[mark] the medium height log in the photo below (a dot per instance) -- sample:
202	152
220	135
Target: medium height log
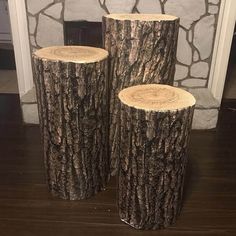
71	86
155	127
142	50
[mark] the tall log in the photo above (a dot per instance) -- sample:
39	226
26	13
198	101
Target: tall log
155	127
142	49
71	86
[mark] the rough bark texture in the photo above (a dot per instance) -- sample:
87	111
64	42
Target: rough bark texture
153	157
141	52
72	102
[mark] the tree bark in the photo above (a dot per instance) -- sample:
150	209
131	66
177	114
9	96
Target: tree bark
142	50
153	157
71	86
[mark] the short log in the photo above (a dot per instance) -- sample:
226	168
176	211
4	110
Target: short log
155	127
71	87
142	49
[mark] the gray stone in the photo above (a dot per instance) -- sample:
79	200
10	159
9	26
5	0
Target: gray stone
32	24
49	33
205	119
34	49
181	72
195	55
204	98
192	82
29	97
199	69
121	6
149	6
184	51
32	41
35	7
176	84
30	113
189	11
89	10
214	1
213	9
54	11
190	35
203	36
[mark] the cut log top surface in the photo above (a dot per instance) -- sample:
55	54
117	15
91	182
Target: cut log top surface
156	97
77	54
142	17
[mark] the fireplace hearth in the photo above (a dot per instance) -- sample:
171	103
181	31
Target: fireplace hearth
83	33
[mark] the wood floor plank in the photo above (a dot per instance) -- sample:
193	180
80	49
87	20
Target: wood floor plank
27	208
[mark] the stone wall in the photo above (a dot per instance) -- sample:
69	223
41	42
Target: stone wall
198	20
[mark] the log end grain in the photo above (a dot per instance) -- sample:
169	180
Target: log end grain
142	17
156	97
76	54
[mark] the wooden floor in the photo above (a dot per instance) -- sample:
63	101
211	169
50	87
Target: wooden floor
8	82
26	208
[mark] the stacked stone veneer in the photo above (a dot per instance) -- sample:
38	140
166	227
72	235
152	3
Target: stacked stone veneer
198	22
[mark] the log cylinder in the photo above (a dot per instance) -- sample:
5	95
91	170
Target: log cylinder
155	127
142	50
71	87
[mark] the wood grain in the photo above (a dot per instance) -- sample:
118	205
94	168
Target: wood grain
28	209
72	102
142	50
153	154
